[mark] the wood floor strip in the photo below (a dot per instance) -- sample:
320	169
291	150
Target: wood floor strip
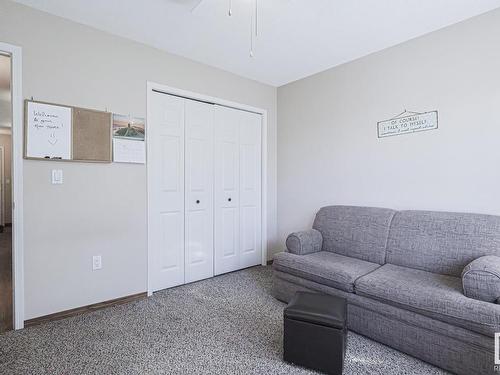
84	309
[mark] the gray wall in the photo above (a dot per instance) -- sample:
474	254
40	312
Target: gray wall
6	142
100	208
328	151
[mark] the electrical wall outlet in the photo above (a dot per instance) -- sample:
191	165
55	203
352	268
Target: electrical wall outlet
96	262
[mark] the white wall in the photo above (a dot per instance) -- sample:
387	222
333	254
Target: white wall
328	150
100	208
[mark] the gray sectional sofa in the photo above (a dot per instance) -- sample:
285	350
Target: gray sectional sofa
425	283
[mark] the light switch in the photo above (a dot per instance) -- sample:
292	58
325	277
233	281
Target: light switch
57	176
96	262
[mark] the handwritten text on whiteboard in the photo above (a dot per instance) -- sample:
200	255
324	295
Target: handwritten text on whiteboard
48	131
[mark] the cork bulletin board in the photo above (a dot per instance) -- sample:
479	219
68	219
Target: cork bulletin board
65	133
91	135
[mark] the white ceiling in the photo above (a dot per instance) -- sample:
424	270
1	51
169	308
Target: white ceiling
296	38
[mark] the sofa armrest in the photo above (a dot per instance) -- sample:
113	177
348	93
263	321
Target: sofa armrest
304	242
481	279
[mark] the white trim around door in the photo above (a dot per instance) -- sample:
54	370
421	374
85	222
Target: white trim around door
151	87
17	182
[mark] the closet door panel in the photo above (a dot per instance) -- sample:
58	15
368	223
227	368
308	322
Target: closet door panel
226	190
199	248
250	189
166	216
172	241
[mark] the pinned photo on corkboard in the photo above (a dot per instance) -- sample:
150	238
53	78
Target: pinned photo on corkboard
127	127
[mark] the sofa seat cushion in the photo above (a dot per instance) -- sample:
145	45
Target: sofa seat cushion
430	294
324	267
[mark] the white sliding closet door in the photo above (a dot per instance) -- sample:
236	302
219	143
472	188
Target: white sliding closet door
166	206
199	173
227	181
250	189
205	190
238	168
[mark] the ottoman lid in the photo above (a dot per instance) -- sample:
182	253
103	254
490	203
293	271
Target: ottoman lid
317	308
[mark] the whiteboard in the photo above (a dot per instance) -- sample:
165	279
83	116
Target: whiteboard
48	131
129	151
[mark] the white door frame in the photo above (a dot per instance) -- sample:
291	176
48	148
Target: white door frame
210	99
15	53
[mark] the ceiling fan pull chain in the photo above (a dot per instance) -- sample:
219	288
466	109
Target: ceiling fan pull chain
230	11
256	18
251	35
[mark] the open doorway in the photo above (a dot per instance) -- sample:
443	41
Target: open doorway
6	279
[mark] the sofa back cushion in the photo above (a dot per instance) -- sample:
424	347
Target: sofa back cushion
441	242
358	232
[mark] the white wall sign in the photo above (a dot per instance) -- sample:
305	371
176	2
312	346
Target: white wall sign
48	131
408	122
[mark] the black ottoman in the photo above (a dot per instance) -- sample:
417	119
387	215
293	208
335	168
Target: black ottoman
315	332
